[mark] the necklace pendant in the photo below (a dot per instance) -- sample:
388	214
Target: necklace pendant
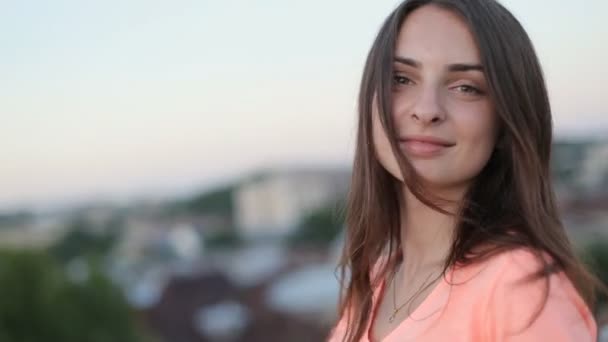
392	317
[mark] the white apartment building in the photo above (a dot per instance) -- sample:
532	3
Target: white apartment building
272	204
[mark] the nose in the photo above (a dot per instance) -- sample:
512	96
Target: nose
426	107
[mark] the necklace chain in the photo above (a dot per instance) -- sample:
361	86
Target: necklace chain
397	309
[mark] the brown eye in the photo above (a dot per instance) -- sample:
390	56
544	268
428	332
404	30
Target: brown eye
401	80
469	89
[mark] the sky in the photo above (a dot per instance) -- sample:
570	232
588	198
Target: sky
123	100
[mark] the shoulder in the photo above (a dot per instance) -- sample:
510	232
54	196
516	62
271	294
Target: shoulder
376	273
521	307
500	270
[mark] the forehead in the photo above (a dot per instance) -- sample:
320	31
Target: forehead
436	35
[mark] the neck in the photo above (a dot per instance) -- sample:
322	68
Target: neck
426	234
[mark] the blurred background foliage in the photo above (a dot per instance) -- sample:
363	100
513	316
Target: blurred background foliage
39	302
595	255
320	227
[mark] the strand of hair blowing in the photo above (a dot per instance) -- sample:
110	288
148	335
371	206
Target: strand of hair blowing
510	204
374	195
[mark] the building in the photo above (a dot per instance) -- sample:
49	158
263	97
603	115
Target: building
273	203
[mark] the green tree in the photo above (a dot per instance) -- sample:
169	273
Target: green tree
40	303
319	227
217	201
83	239
595	254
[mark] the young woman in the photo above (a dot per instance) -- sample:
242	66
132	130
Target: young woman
453	231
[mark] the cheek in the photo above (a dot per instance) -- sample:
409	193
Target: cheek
479	131
382	148
477	123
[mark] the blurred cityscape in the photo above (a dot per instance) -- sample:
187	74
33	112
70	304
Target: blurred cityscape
253	260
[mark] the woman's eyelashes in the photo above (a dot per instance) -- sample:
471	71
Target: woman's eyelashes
468	89
401	80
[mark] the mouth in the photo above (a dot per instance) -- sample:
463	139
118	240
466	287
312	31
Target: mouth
424	147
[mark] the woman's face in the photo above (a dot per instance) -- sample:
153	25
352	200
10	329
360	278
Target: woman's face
443	115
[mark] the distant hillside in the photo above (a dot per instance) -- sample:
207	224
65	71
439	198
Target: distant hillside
12	220
216	201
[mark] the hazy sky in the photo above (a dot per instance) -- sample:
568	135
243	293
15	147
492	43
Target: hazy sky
114	99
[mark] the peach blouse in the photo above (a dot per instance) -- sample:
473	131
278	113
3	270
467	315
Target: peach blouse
485	302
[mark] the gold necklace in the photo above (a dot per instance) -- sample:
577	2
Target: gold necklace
397	309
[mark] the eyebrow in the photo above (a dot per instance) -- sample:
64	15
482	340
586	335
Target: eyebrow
457	67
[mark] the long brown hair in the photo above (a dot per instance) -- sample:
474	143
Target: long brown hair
511	202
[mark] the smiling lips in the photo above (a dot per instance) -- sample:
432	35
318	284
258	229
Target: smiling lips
424	146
